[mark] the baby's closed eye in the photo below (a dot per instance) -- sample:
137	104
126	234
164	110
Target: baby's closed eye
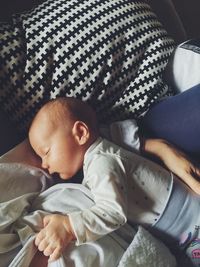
47	152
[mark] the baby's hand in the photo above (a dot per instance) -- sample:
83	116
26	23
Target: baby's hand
55	236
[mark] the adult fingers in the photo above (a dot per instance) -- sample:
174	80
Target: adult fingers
197	171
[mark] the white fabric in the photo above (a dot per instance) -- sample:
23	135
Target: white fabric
25	203
116	178
125	134
182	71
156	253
17	179
19	186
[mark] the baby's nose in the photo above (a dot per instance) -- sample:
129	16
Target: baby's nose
45	165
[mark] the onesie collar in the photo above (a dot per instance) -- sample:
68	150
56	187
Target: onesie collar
94	145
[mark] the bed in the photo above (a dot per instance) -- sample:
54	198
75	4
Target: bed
50	51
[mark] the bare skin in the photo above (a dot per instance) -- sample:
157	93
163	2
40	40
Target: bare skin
176	161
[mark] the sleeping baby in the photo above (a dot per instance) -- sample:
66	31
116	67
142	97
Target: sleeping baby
125	186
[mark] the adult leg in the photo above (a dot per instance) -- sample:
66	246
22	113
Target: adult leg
176	119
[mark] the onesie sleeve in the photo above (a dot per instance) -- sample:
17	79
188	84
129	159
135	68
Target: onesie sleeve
105	177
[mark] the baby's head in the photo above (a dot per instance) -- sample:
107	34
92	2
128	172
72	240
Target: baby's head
61	132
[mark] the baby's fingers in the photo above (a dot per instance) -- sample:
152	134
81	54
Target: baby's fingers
56	254
42	245
46	220
39	237
49	250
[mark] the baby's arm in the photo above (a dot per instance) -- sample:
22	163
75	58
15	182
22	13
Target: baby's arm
55	236
107	182
108	213
175	160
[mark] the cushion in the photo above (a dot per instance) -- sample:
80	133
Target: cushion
182	71
109	53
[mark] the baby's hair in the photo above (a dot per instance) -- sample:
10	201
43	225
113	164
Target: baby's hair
69	107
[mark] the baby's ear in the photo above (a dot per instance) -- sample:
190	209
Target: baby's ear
81	132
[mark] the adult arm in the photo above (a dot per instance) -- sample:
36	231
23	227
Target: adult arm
175	160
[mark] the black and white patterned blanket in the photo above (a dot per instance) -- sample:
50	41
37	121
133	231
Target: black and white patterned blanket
109	53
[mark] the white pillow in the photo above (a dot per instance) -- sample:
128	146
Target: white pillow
183	69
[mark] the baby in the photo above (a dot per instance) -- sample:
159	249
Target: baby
124	185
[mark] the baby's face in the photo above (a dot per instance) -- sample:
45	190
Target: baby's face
57	148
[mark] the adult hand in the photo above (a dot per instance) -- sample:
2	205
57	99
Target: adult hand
55	236
176	161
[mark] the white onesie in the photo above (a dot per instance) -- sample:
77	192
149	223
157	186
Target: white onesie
125	186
